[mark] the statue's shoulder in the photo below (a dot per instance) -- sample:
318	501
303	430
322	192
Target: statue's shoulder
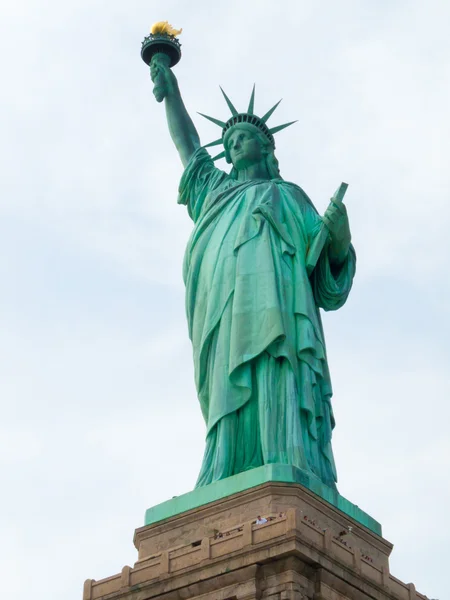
296	192
202	170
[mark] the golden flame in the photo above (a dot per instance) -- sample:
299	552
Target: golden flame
164	27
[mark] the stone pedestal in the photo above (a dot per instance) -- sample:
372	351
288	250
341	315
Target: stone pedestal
275	541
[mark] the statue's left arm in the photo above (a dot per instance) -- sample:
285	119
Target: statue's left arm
336	220
332	277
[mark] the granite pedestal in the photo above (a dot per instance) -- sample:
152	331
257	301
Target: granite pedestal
275	541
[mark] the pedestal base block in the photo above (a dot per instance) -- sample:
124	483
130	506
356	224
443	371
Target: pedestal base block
253	478
274	541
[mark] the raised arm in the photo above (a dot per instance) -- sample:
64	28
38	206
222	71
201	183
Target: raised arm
181	128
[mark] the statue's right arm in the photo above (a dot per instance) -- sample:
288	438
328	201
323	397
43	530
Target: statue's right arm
181	128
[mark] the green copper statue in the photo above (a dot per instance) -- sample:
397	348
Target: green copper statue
252	305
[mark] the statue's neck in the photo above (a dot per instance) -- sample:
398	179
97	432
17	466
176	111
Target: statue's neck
256	171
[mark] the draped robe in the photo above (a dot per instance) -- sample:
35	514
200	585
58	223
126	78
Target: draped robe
260	362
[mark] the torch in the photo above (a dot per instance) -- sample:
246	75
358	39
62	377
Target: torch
161	46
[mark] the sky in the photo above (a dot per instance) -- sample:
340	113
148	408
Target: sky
99	414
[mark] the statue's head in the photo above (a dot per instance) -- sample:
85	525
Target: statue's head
245	145
251	134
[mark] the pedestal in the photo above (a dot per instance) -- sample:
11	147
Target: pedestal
274	541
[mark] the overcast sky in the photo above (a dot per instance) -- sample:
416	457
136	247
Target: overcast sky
99	415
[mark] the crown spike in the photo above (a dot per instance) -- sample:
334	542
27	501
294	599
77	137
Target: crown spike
221	155
280	127
269	113
214	143
228	101
213	120
251	105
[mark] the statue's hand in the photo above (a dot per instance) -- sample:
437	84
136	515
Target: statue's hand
336	219
163	78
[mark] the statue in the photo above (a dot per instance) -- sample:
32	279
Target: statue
252	292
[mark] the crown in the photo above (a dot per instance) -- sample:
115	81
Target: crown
248	117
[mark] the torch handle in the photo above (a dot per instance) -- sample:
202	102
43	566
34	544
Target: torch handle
160	87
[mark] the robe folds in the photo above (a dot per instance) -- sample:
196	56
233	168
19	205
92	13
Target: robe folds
260	361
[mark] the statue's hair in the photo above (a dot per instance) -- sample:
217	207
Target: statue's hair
266	145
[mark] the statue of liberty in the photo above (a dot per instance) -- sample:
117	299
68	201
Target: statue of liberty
252	304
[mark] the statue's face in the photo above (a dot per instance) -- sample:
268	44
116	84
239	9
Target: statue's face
244	148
